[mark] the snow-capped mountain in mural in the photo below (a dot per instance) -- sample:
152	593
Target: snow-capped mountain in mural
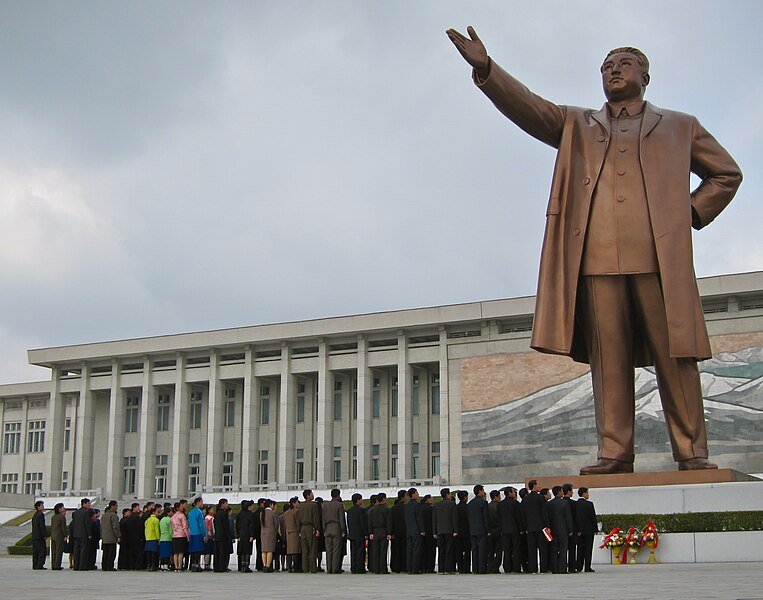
556	424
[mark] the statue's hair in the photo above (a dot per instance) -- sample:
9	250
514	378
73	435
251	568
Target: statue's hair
640	56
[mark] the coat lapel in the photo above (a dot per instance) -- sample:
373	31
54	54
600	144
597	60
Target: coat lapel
601	116
652	116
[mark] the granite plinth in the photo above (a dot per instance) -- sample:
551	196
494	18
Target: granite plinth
657	478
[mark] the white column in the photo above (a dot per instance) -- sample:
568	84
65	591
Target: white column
365	416
147	435
180	429
444	409
286	420
214	422
54	434
404	409
249	430
323	439
115	443
83	459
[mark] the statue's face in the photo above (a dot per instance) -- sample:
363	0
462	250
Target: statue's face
623	77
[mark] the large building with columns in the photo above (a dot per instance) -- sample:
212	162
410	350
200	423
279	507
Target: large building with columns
449	394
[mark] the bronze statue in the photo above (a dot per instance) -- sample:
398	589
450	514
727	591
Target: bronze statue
617	287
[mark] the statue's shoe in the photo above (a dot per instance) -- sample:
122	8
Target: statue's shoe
606	466
695	464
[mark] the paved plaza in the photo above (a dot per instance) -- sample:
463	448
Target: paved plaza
695	581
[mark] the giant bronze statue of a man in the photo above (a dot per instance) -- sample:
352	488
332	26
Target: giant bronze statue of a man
617	287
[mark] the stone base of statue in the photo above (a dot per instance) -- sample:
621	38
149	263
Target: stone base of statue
657	478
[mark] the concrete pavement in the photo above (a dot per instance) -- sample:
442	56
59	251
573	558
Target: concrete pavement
624	582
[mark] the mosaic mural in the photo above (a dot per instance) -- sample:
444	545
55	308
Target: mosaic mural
551	431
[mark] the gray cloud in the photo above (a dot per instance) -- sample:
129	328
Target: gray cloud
182	166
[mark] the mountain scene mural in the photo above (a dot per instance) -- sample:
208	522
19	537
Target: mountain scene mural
552	431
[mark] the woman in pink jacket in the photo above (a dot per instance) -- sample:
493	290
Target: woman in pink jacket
180	536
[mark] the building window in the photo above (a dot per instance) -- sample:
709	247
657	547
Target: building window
393	461
265	411
375	469
394	402
299	475
67	434
9	483
415	396
435	459
301	408
195	410
160	476
262	474
230	407
376	400
354	398
415	470
337	463
375	450
338	405
12	438
65	480
36	437
33	483
194	473
132	414
435	393
163	412
227	469
128	472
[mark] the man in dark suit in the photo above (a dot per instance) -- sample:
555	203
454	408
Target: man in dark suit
414	528
223	538
445	527
82	534
512	524
479	530
39	533
357	533
463	543
560	519
572	560
379	528
398	554
536	519
429	544
137	539
495	542
587	526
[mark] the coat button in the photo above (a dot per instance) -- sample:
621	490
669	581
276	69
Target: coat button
621	172
623	149
576	232
601	139
586	180
621	198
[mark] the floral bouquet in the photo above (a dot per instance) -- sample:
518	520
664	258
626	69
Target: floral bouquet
633	542
614	540
651	539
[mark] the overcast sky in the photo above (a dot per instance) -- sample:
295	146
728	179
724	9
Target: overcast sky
183	166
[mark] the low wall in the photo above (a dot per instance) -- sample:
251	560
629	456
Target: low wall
724	546
20	501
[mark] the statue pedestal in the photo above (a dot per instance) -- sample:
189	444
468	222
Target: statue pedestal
657	478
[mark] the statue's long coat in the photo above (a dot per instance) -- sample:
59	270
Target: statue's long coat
672	145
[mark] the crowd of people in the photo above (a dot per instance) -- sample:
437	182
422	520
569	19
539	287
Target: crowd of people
532	530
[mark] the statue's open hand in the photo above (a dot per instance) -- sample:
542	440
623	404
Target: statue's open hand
473	50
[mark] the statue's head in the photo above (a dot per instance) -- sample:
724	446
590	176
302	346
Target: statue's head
625	74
